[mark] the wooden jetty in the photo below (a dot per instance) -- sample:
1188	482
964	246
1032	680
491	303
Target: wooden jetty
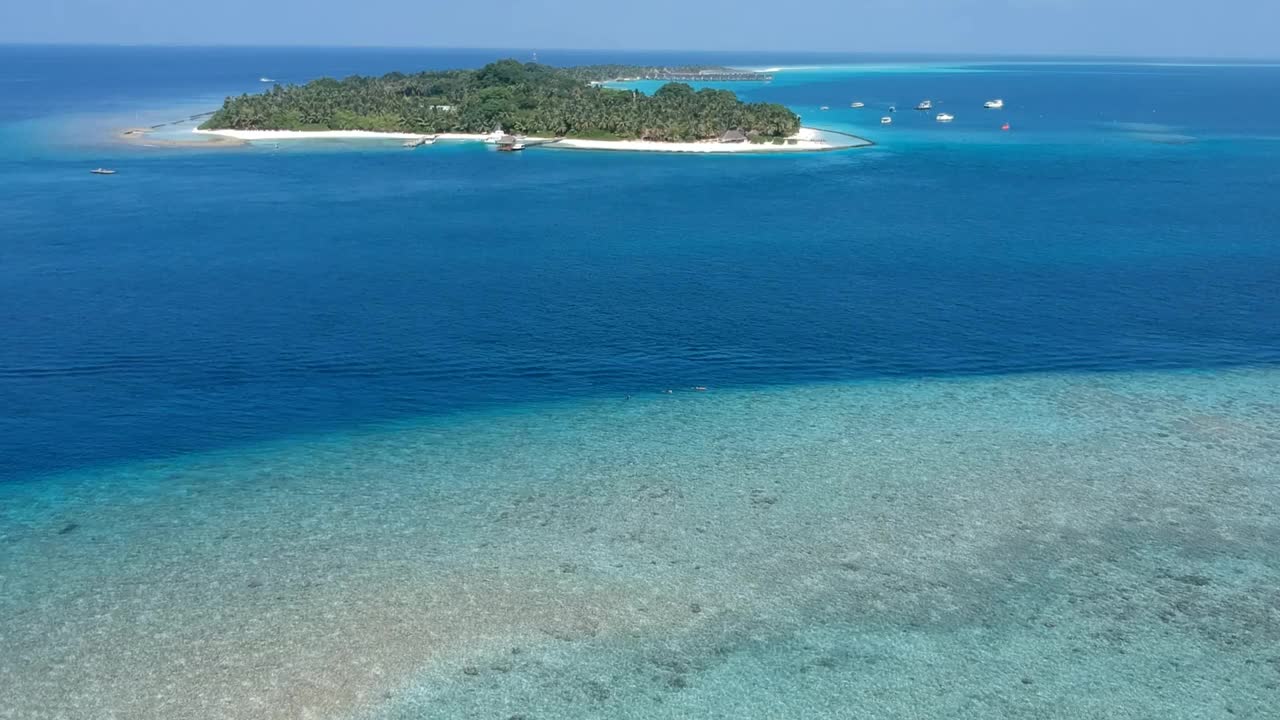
511	143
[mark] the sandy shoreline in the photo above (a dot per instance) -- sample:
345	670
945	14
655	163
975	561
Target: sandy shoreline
806	140
275	135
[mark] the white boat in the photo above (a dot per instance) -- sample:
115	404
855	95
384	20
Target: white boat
886	120
944	117
857	105
102	171
925	105
993	104
265	79
824	107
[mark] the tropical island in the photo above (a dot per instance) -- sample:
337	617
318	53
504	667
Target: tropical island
571	105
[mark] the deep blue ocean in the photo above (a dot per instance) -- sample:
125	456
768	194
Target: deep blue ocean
224	331
202	300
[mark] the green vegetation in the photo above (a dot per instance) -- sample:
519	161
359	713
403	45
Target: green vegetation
522	98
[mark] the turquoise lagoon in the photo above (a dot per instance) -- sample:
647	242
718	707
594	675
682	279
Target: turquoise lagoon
337	430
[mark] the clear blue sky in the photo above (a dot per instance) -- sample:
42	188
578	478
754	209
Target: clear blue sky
1183	28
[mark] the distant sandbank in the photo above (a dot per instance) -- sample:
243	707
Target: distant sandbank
144	136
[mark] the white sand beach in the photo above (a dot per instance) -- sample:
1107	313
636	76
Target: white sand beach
806	140
275	135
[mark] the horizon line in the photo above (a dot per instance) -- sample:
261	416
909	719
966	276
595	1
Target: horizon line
849	53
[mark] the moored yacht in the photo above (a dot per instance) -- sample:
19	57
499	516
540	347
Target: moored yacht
944	117
993	104
925	105
102	171
886	120
857	105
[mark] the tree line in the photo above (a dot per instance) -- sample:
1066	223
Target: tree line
524	98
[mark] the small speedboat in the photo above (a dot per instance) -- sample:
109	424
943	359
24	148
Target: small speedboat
886	120
1004	126
102	171
993	104
925	105
824	107
265	79
857	105
944	117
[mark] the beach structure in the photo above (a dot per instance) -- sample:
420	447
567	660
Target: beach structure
509	143
733	136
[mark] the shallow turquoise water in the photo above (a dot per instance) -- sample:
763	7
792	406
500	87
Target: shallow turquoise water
1038	546
337	430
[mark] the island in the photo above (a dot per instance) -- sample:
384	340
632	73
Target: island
568	107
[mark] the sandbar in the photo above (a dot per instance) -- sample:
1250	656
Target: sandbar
143	136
